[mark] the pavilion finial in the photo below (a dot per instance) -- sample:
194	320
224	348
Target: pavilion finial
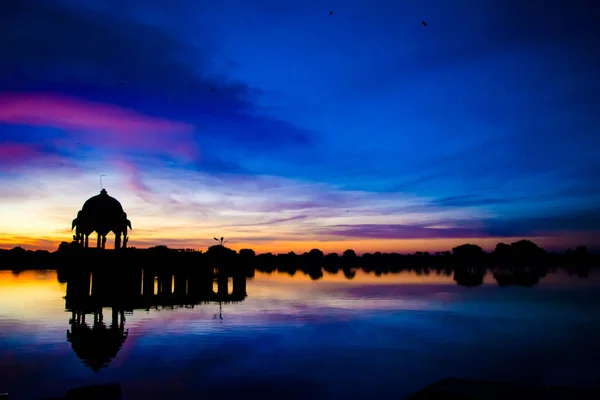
101	186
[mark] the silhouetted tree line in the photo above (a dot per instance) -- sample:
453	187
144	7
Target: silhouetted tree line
519	263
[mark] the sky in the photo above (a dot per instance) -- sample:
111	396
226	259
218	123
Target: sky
362	129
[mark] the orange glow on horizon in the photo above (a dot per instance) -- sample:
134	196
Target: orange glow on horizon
360	246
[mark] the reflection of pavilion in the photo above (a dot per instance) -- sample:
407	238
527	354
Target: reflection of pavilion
97	343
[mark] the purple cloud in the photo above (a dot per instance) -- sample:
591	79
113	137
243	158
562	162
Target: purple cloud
97	124
399	231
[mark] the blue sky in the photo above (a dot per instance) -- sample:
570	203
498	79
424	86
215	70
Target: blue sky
359	129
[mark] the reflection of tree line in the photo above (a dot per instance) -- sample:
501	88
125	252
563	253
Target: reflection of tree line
522	263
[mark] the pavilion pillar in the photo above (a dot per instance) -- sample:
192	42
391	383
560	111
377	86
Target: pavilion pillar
180	285
98	241
118	241
122	323
87	237
223	285
239	285
103	242
115	318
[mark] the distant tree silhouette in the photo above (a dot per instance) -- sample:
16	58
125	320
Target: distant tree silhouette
64	246
68	246
349	258
349	254
503	250
581	250
248	253
467	250
219	250
19	251
314	258
160	248
526	249
315	253
332	263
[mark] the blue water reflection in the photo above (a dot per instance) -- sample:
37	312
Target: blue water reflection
382	337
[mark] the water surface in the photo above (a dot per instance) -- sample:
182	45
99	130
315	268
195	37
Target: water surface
367	337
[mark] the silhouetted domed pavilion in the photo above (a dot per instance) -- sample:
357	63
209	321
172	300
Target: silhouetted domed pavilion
101	214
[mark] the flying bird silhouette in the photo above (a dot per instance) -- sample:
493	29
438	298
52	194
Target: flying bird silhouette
212	90
424	23
330	12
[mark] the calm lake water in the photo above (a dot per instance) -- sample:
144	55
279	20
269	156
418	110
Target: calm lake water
369	337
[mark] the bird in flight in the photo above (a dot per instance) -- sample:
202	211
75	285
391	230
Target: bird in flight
330	12
424	23
121	83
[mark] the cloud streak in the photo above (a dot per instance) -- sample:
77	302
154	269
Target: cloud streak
480	228
273	221
98	124
400	231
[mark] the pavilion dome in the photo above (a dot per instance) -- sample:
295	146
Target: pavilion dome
101	214
103	207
